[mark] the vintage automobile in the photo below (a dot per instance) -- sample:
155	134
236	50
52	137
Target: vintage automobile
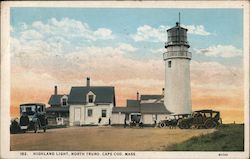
172	120
206	118
135	120
33	117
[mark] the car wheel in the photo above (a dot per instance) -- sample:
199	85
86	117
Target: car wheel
184	125
209	124
141	125
162	125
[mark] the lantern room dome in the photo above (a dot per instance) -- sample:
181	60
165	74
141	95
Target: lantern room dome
177	35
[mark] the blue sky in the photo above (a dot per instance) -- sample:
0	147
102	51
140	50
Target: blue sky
225	25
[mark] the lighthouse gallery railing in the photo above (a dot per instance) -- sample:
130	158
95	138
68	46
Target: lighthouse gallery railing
177	54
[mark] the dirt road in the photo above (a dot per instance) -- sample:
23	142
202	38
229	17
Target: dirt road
102	138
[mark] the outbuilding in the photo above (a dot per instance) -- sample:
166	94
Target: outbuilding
151	108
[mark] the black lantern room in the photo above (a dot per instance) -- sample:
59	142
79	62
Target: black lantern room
177	36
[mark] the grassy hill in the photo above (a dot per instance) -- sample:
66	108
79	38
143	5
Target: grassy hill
228	137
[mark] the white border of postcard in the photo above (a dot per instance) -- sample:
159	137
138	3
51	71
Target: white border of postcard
5	75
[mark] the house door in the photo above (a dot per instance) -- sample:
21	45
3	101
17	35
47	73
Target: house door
77	114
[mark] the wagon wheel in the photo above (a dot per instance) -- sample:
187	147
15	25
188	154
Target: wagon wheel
209	124
162	125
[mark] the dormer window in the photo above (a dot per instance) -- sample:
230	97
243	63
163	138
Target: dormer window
91	98
64	101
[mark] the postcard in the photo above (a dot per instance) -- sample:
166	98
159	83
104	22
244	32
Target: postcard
125	79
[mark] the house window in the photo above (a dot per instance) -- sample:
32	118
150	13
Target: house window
91	98
169	64
90	112
104	113
64	101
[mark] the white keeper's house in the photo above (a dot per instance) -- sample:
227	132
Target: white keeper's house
91	105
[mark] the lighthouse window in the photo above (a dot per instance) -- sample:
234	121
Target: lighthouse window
169	64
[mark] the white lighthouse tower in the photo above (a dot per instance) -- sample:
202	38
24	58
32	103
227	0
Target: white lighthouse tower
177	98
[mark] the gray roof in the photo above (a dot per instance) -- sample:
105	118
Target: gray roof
133	106
133	103
126	109
144	108
147	97
103	94
55	99
57	109
150	108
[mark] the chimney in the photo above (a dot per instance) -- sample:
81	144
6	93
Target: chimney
137	96
88	82
55	91
163	91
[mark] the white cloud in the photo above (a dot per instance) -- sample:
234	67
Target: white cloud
23	26
50	56
31	35
149	33
225	51
103	33
196	29
209	77
55	37
158	51
127	47
67	28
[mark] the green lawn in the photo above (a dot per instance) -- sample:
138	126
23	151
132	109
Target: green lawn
228	137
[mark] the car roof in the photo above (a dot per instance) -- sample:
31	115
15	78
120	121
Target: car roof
206	111
135	113
179	114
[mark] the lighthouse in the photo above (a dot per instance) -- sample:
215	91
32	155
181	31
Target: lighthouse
177	96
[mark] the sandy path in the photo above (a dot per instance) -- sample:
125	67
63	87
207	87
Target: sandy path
102	138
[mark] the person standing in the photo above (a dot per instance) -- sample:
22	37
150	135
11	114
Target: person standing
99	121
109	122
125	122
